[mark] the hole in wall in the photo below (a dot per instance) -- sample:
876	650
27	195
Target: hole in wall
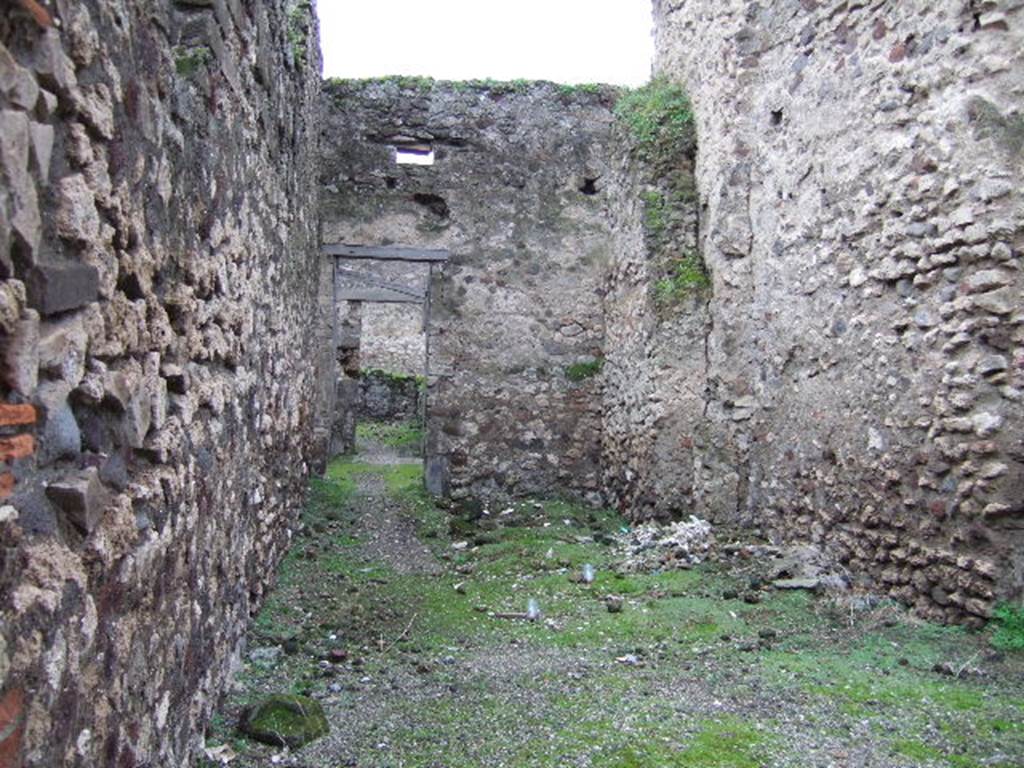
776	117
436	204
589	185
130	285
414	154
391	182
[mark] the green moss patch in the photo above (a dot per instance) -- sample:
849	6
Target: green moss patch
584	370
285	720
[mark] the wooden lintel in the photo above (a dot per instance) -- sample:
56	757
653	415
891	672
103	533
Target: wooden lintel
382	295
385	252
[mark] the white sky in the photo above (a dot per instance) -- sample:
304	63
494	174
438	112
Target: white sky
568	41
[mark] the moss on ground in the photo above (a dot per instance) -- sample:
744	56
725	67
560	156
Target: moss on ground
681	677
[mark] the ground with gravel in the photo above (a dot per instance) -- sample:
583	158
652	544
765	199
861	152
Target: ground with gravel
405	622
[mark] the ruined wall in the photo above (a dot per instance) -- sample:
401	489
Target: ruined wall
860	174
390	397
656	327
515	196
393	338
158	299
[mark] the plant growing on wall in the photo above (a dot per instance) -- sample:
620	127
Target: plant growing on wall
586	370
299	16
659	118
188	60
686	277
659	125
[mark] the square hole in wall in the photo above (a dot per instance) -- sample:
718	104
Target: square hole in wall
414	154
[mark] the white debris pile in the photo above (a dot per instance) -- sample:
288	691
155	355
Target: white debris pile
651	546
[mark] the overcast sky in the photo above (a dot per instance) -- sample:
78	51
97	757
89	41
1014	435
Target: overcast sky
568	41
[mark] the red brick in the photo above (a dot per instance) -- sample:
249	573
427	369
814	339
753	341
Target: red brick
12	724
14	415
6	485
17	447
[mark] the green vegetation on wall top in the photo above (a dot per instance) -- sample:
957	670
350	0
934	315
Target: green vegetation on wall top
519	85
299	17
659	117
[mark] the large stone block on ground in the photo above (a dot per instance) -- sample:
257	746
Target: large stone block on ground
285	720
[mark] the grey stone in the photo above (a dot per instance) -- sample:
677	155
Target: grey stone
17	83
80	499
1000	302
924	318
986	280
62	348
21	355
54	67
61	437
77	218
54	288
992	364
42	149
114	472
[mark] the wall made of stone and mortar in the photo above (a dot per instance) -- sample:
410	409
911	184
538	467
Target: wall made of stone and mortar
159	327
655	361
393	338
520	299
860	173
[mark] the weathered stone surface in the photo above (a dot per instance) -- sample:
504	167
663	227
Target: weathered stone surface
154	253
54	288
77	219
21	355
877	293
61	438
527	253
80	499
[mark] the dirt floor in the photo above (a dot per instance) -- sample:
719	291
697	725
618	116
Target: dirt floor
402	620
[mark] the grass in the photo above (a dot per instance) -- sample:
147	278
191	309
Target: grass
394	434
551	693
1009	622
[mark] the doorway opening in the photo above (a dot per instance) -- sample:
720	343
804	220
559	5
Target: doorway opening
382	300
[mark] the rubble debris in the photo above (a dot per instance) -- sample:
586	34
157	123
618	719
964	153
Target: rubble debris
651	546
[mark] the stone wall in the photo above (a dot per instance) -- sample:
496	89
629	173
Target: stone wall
389	397
160	357
656	329
394	339
516	196
860	168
